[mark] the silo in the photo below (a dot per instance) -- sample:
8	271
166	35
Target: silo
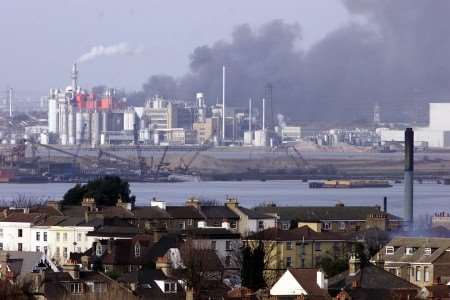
129	119
87	124
105	121
52	114
63	122
71	126
78	127
95	128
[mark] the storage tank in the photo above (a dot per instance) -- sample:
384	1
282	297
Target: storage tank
105	121
63	121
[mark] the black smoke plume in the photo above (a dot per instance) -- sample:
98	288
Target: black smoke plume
398	56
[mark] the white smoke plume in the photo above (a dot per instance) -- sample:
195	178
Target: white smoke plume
118	49
281	121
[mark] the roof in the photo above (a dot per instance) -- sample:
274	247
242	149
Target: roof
322	213
253	214
161	247
150	212
439	291
24	217
307	278
211	233
114	211
24	262
218	212
296	234
183	212
438	247
146	286
370	277
122	252
73	210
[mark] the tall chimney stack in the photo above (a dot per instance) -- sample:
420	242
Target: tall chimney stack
223	103
409	176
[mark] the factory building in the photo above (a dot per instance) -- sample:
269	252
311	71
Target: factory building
436	135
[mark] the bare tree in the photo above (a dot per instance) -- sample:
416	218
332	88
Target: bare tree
24	201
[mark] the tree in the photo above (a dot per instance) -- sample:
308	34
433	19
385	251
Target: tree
253	266
106	191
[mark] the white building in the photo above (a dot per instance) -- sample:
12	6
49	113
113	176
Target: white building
301	282
436	135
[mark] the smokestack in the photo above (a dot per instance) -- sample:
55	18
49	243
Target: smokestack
250	114
385	204
409	175
10	102
263	114
74	78
223	103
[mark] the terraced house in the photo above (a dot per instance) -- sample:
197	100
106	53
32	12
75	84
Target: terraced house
298	248
421	261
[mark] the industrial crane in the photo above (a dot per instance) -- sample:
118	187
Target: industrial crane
161	162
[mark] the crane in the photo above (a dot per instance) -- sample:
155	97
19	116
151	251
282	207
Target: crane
161	162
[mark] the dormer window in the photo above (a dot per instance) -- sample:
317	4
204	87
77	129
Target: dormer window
137	250
427	251
409	250
170	287
389	250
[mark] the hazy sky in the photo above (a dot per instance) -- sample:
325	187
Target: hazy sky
41	39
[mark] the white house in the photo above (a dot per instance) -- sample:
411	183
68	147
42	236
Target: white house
250	221
16	233
297	282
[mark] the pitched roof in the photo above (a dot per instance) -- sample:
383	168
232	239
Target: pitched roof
161	247
218	212
27	261
307	278
296	234
183	212
150	212
370	277
24	217
253	214
438	247
321	213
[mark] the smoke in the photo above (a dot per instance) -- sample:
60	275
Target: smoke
118	49
398	56
281	121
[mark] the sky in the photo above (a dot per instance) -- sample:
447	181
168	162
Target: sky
41	39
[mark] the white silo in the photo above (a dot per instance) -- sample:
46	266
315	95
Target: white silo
71	126
95	128
63	121
53	112
78	127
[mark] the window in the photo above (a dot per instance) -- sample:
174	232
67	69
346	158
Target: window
213	245
45	250
302	262
389	250
1	232
418	274
38	236
98	250
342	225
65	236
170	287
38	249
233	225
45	236
227	261
288	262
289	245
19	247
409	251
57	253
228	245
326	225
285	226
317	246
79	249
260	225
137	250
190	222
58	236
1	246
427	251
19	233
75	288
79	237
426	274
65	252
412	272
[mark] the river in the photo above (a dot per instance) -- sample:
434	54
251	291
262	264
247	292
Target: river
429	197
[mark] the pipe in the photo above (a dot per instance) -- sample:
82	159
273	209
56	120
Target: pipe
409	176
